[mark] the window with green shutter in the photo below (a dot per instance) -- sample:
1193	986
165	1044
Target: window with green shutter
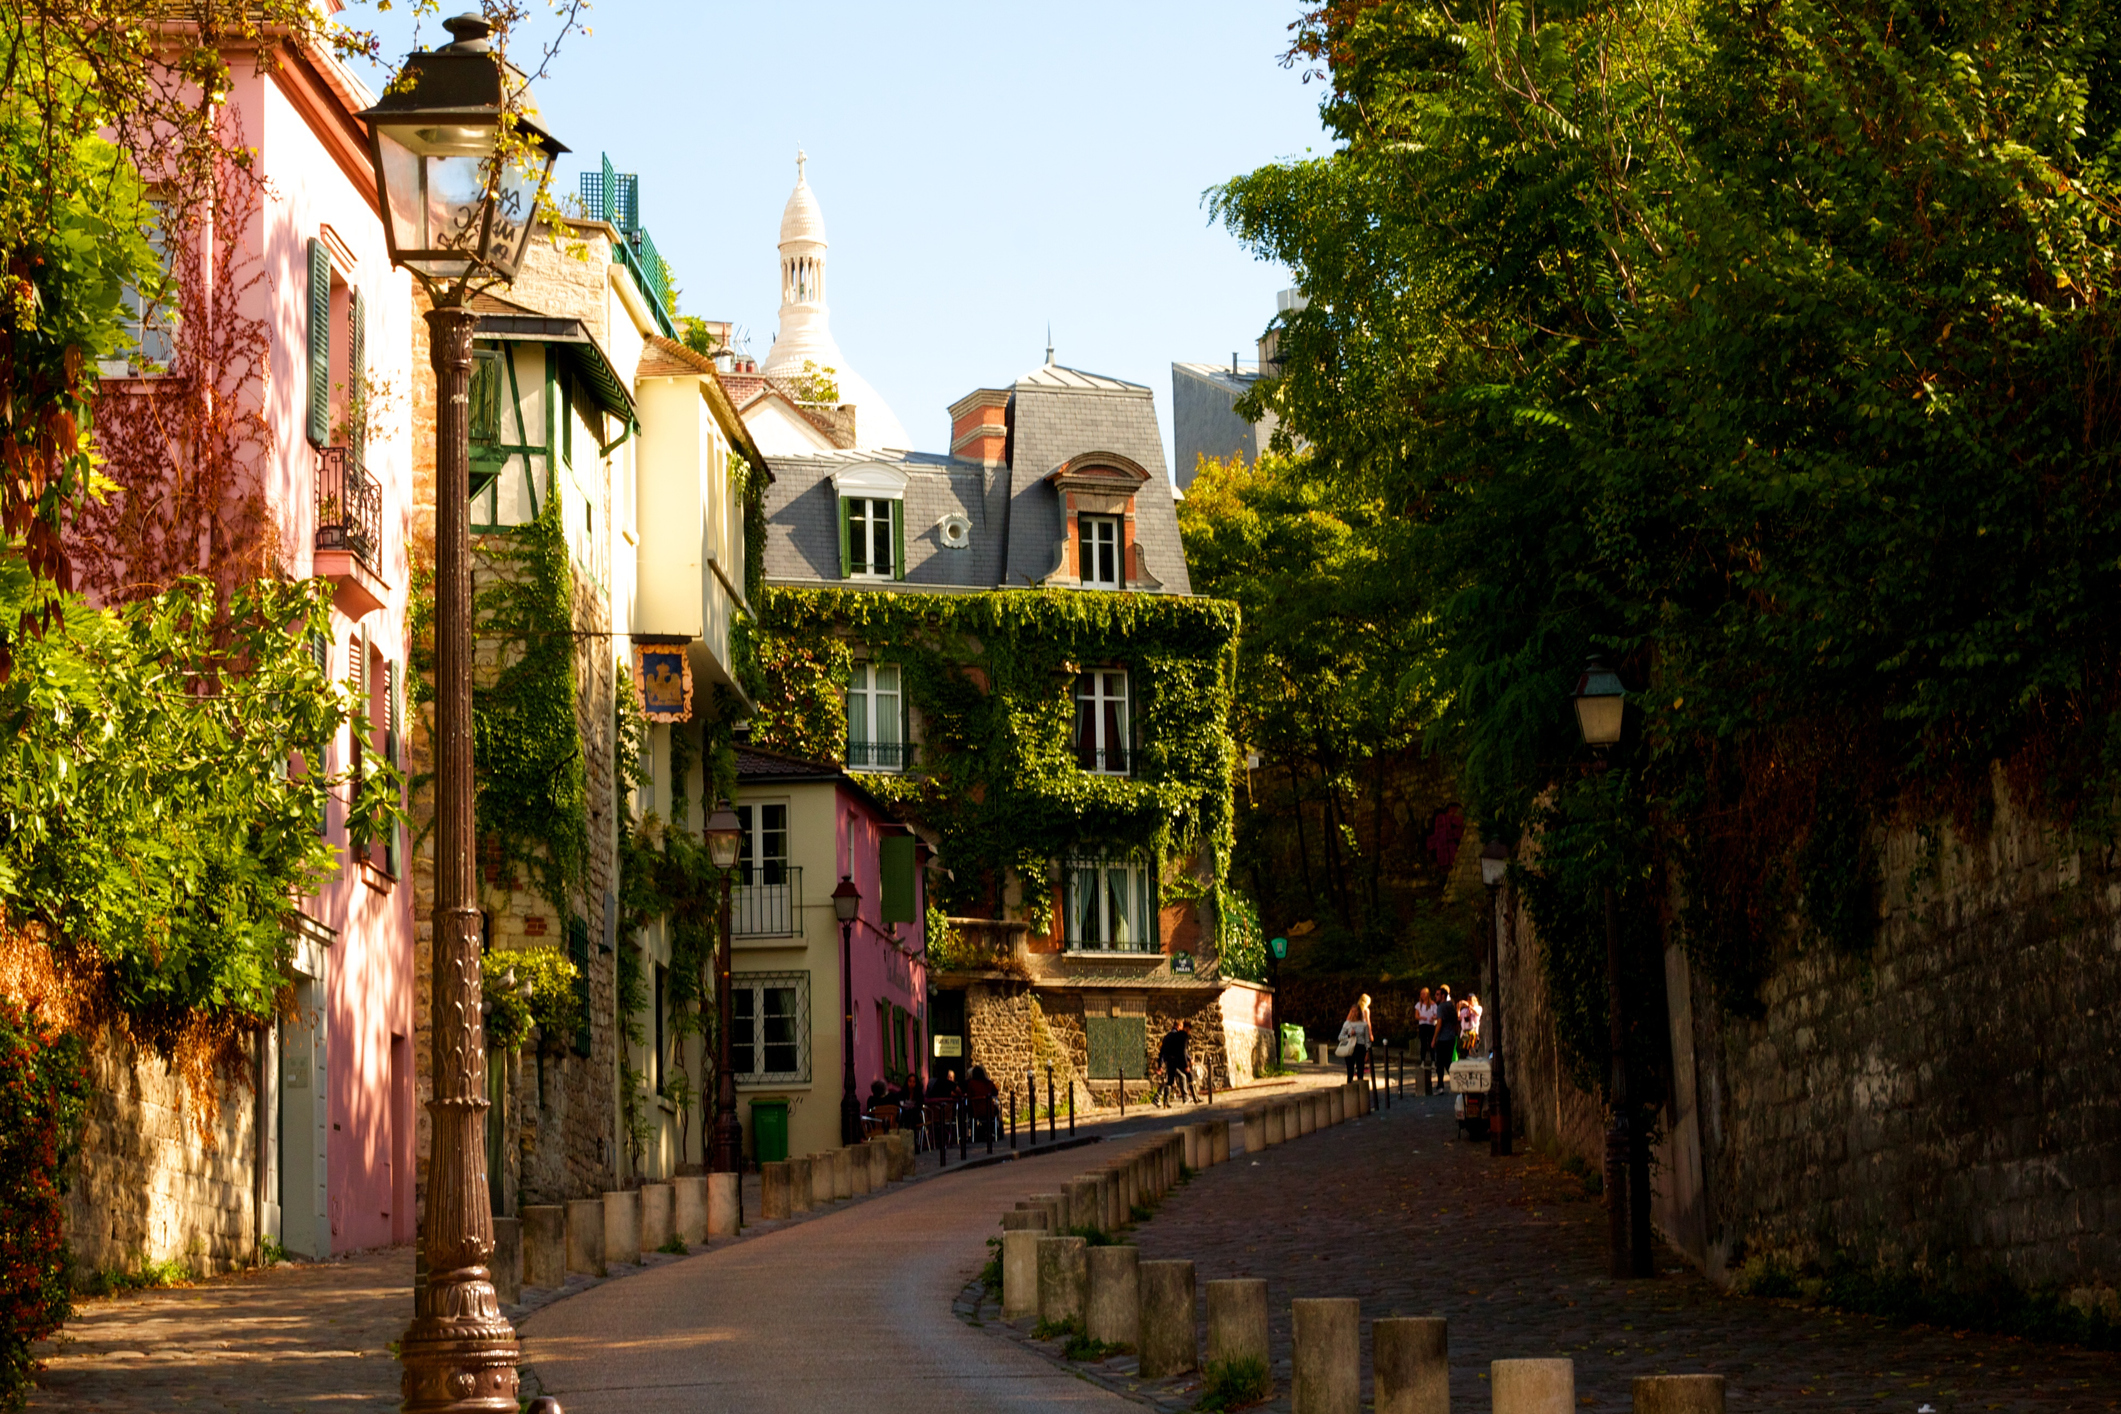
319	344
872	538
356	379
896	866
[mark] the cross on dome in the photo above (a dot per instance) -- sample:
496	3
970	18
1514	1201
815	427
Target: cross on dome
800	158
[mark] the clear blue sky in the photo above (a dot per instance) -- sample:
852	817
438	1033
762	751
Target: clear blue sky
982	169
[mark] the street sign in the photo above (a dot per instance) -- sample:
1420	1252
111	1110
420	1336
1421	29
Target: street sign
948	1047
1280	946
1182	962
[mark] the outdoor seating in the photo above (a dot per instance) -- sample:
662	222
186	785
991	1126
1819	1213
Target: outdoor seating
881	1119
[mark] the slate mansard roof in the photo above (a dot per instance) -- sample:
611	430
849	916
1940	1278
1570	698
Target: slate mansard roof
1055	414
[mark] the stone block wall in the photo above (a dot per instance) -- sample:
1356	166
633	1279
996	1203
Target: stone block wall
151	1183
1013	1027
1941	1106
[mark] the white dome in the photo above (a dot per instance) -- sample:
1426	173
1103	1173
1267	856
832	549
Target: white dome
805	335
800	218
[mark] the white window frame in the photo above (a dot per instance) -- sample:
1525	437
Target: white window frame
756	985
1094	921
1111	531
876	527
153	326
1093	689
864	695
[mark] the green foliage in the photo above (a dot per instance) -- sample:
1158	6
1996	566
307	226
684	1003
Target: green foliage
554	1004
43	1093
992	675
1232	1384
816	385
695	335
1070	1328
990	1273
675	1246
154	832
1758	348
1845	1282
1083	1346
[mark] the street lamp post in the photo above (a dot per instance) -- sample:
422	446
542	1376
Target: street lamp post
724	838
846	903
1601	704
459	166
1494	867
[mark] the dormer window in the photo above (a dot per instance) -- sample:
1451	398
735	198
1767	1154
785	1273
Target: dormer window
869	534
1099	552
872	521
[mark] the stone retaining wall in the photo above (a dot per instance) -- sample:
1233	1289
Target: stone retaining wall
1941	1107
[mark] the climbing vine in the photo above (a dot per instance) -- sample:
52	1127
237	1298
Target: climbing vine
993	678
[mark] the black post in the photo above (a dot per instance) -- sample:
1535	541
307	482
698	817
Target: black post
1071	1109
1122	1092
1012	1119
1619	1258
1051	1133
964	1139
850	1108
1498	1085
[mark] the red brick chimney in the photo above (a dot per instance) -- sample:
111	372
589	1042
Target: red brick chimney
979	426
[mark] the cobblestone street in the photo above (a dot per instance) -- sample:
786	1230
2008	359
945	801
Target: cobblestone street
1395	1210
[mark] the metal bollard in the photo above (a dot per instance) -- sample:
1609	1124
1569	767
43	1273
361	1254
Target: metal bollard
1071	1109
1012	1119
1050	1115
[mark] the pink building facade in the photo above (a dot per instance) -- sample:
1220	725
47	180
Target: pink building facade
296	337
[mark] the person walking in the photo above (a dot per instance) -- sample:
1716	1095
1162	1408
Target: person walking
1178	1071
1469	1024
1354	1046
1446	1033
1425	1028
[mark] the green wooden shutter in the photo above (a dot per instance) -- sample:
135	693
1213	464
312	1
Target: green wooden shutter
319	345
898	538
846	559
896	868
357	377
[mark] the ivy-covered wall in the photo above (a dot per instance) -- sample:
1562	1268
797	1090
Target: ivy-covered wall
991	680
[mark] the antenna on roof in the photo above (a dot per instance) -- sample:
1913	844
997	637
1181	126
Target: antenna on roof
1049	341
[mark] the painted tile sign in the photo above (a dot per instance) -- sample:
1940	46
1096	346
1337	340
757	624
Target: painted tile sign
666	683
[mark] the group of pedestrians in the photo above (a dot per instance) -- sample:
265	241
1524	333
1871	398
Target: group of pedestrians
1448	1030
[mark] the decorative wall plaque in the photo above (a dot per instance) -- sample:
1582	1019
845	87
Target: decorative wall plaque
664	677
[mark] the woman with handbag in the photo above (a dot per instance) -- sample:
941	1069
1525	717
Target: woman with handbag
1354	1047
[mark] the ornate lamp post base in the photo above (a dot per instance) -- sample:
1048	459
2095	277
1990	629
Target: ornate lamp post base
461	1364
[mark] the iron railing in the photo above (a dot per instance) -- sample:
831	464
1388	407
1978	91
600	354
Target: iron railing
614	196
880	755
766	902
349	505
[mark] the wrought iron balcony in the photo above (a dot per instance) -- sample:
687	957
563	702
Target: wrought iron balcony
880	755
766	902
349	505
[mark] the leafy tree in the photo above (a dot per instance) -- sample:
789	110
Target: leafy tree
1762	347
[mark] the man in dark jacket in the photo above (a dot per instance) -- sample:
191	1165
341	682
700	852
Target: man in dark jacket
1446	1032
1172	1055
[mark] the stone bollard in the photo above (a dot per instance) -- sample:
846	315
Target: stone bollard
1533	1386
879	1165
1063	1278
1410	1365
506	1268
1337	1105
1110	1217
1082	1203
689	1208
1114	1312
1020	1271
1325	1356
723	1194
1679	1394
1237	1321
1255	1128
1055	1207
545	1245
842	1174
1191	1138
858	1169
1027	1220
820	1180
799	1181
1307	1114
1219	1141
1275	1130
773	1191
585	1235
1170	1343
901	1154
658	1210
622	1228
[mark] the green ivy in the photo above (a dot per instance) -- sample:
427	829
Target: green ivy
553	1008
993	676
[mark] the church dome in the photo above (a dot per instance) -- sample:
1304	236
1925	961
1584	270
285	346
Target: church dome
801	220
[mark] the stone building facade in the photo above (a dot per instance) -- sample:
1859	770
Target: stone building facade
1941	1107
